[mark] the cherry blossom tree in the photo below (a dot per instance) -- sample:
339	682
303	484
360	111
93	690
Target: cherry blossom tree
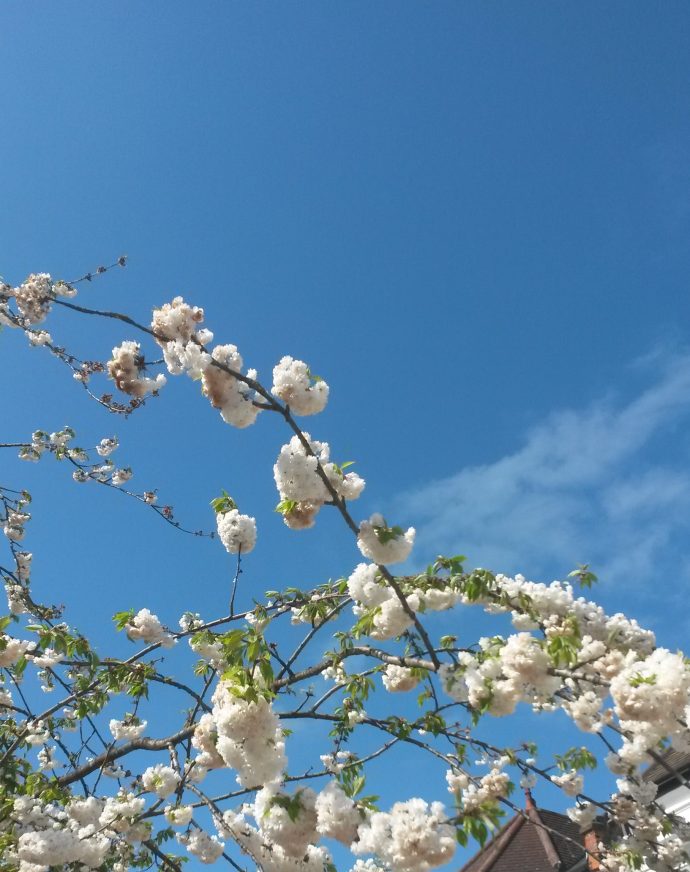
81	789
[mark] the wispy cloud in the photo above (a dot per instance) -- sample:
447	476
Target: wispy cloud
605	484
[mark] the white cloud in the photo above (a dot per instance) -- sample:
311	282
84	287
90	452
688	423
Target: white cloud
606	484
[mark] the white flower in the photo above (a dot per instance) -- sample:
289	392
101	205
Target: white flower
397	679
130	728
287	820
37	734
176	321
120	476
107	445
12	649
34	297
178	815
493	785
202	846
457	781
337	815
230	395
39	337
293	383
46	759
383	544
368	588
237	532
48	659
161	780
570	782
126	367
302	488
412	837
146	627
249	737
583	815
14	533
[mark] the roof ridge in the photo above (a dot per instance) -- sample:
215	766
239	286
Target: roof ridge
545	838
496	846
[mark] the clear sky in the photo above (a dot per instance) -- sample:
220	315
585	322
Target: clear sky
470	218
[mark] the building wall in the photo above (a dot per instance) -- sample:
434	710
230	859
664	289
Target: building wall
676	801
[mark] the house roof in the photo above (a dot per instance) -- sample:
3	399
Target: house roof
662	771
537	840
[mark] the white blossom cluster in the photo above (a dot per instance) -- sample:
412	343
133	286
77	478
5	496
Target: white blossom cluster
175	326
6	701
270	857
372	595
502	674
85	832
651	698
583	814
646	836
33	298
289	825
14	524
301	487
107	445
47	761
338	817
205	848
246	736
129	729
126	367
237	532
161	780
412	837
293	829
58	444
146	627
571	782
233	398
294	384
382	544
17	584
179	815
368	589
476	792
47	658
398	679
367	866
614	657
556	603
209	649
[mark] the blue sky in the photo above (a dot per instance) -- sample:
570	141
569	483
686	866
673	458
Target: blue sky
470	218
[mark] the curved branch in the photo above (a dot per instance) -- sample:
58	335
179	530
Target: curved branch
115	753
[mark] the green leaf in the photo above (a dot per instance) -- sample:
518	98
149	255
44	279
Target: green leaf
576	758
123	618
584	576
388	534
224	503
284	507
